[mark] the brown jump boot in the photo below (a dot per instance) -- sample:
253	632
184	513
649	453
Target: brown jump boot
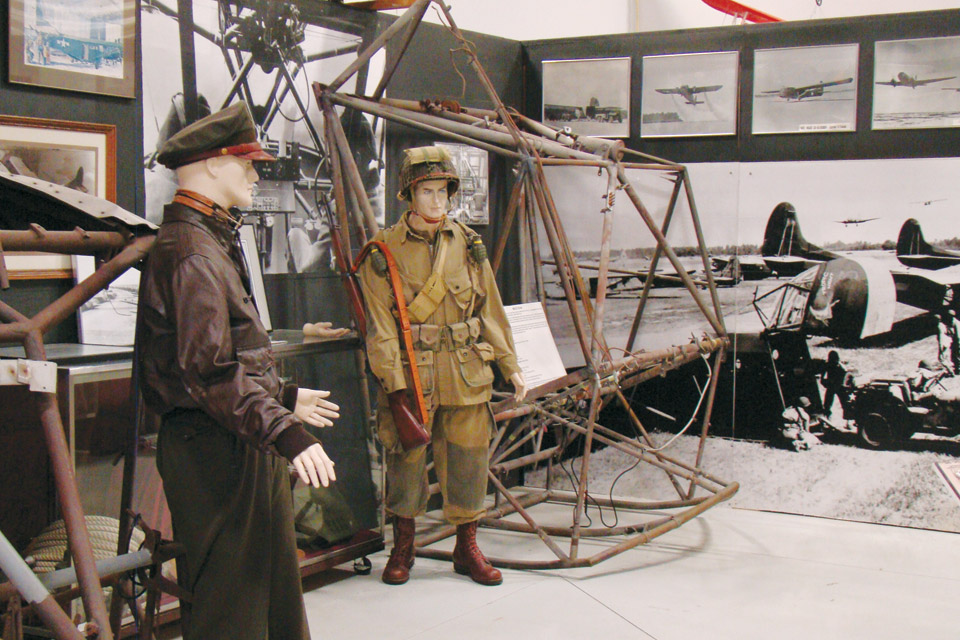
469	561
398	566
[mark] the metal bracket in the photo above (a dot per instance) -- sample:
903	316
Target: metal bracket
40	375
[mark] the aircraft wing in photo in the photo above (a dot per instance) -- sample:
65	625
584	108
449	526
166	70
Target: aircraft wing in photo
809	91
690	93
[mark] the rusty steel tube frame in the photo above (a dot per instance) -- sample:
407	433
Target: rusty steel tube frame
29	331
648	284
499	131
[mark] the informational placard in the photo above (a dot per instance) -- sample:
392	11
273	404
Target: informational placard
537	353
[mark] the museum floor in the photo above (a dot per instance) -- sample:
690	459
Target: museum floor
731	573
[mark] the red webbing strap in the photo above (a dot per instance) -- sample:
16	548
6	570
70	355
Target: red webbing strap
397	287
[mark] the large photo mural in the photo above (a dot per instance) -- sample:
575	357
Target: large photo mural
840	396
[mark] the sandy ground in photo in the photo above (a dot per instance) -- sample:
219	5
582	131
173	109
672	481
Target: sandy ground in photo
833	481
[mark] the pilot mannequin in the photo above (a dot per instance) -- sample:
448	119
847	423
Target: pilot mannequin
228	424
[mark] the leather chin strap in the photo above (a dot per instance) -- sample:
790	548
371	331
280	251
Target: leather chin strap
207	207
426	219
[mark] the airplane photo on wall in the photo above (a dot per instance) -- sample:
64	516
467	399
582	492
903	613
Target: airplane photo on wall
689	94
805	89
917	83
591	97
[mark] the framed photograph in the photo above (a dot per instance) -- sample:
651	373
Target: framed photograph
805	89
80	45
79	155
471	204
689	94
588	97
916	83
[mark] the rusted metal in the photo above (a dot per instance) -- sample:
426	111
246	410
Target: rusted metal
127	249
702	245
515	197
569	407
654	262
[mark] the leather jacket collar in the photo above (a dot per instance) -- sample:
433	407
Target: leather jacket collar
223	232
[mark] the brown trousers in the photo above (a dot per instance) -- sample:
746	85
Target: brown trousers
231	507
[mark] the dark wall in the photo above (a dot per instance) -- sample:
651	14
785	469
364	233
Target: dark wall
124	113
745	147
427	71
43	102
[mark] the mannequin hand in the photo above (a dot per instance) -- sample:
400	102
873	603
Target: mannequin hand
314	467
323	330
519	386
314	410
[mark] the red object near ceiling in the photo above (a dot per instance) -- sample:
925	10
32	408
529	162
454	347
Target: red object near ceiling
740	11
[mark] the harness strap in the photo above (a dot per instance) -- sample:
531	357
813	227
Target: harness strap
407	338
431	294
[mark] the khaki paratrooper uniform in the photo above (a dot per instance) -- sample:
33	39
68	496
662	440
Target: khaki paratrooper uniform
455	346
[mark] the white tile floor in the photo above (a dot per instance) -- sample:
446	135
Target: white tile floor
730	573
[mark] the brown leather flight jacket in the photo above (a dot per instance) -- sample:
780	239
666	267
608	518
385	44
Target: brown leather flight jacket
200	341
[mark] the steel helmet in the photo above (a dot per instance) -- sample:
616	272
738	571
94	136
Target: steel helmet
427	163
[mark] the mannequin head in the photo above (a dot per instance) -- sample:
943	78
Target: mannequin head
429	200
227	180
214	156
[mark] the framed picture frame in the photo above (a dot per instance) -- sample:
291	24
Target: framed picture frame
80	155
689	94
805	89
79	45
589	97
471	204
916	83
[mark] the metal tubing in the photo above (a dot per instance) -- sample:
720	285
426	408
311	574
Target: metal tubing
69	495
563	270
525	460
630	451
78	241
407	38
708	409
515	195
477	134
74	299
551	208
646	436
648	284
105	568
513	413
431	124
702	245
661	240
531	432
348	166
418	7
599	353
534	235
585	468
673	523
559	495
339	193
547	540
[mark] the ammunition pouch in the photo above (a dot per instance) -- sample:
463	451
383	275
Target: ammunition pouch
433	337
